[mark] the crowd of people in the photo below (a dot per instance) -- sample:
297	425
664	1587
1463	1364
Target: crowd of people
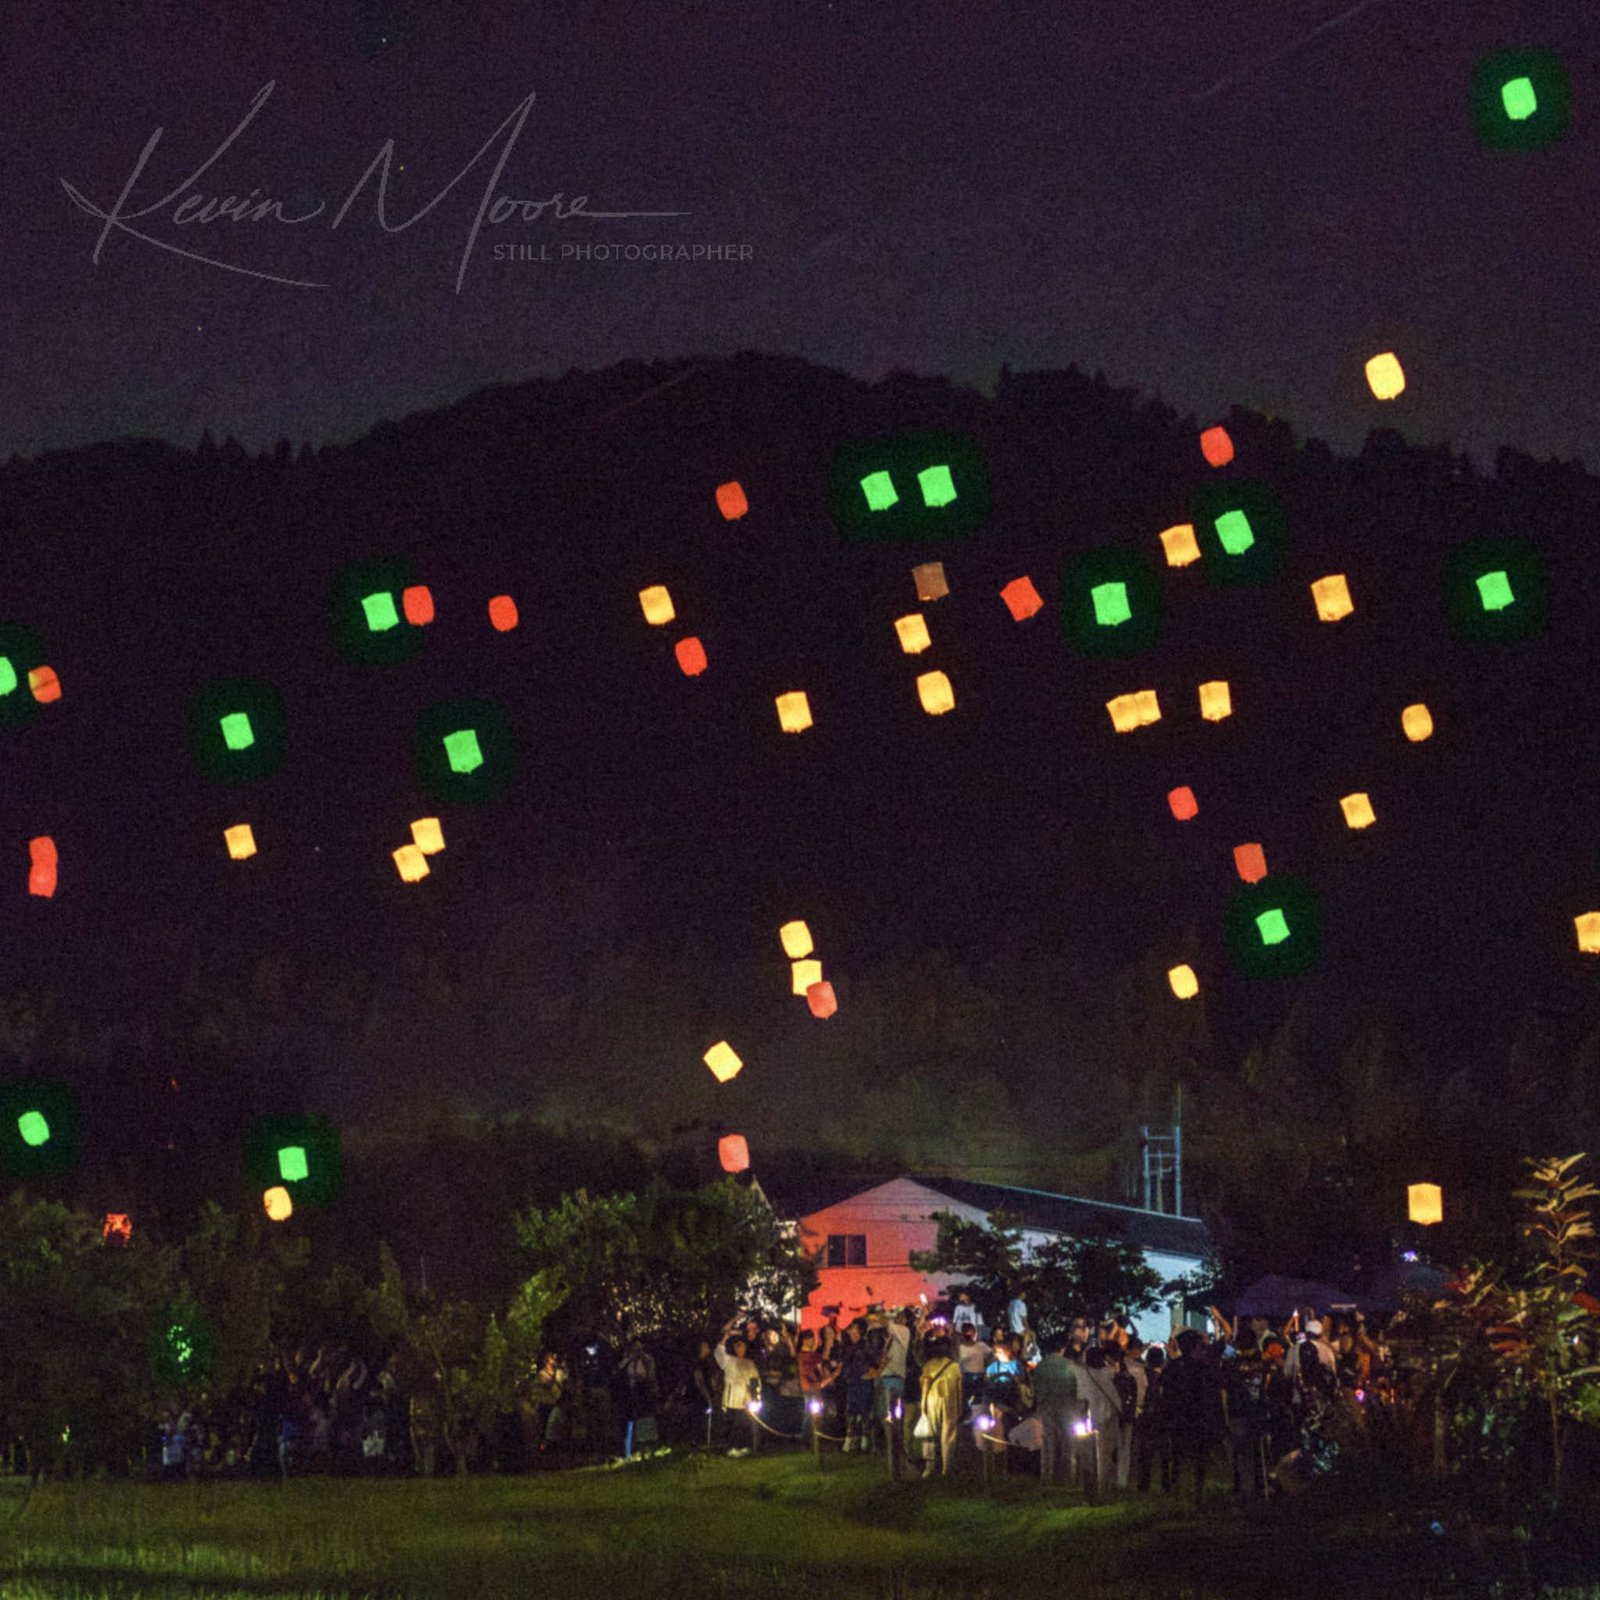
935	1390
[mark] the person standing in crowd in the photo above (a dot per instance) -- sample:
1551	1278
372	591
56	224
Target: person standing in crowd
741	1385
1016	1314
1127	1373
889	1385
816	1377
708	1383
1243	1381
1277	1396
974	1355
941	1403
1059	1407
640	1397
856	1364
1191	1402
1152	1444
1105	1415
965	1314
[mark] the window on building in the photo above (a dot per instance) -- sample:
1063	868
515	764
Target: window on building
847	1249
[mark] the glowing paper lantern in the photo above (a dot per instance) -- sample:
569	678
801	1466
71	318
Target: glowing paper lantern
1130	711
1417	720
938	487
380	612
794	712
796	938
731	500
1589	932
1518	97
44	684
33	1127
8	677
417	602
1251	862
1384	376
427	835
1234	532
930	581
723	1062
820	997
237	733
1273	926
1425	1202
463	751
1494	588
1180	544
933	689
1215	701
117	1224
803	974
1183	803
913	633
657	603
1332	595
1021	598
1216	446
1111	604
1184	983
880	491
1358	811
691	656
410	863
42	866
241	841
503	613
279	1207
733	1152
292	1163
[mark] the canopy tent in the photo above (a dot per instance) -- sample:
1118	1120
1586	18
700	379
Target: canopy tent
1387	1290
1275	1296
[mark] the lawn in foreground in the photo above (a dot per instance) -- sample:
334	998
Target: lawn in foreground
701	1526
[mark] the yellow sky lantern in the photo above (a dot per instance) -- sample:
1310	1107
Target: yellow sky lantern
933	689
1425	1202
1130	711
723	1062
796	938
427	835
1216	702
913	633
1332	595
1180	545
929	579
279	1207
657	605
1184	983
1417	720
1358	811
1384	375
794	712
1589	932
410	863
241	841
803	974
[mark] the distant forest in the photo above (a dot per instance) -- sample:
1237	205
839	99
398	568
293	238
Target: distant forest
996	894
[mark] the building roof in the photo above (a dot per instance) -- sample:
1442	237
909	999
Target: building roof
1076	1218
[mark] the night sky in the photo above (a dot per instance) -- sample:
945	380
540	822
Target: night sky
1217	203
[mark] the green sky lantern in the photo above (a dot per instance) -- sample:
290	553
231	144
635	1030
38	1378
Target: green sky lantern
1273	925
463	750
879	490
1495	590
34	1128
1233	529
938	488
292	1163
236	731
380	611
1111	604
8	675
1518	97
301	1149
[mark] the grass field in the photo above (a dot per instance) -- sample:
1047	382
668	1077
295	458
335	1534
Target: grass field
702	1526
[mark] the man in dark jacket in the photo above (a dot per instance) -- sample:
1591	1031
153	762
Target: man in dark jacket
1191	1406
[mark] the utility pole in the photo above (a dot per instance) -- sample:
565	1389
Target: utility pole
1177	1149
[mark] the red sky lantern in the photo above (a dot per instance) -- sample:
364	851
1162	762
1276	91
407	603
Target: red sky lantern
1251	861
417	602
44	685
733	1152
1021	598
731	500
503	613
820	998
117	1225
1183	803
691	656
42	867
1216	446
